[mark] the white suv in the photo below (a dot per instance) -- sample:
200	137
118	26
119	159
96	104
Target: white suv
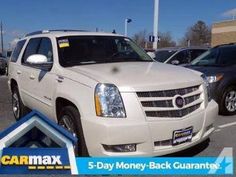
110	94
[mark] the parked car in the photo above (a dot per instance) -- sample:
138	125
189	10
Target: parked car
219	65
8	56
110	94
3	65
179	56
151	53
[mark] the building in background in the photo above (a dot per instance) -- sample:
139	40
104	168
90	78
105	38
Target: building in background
223	33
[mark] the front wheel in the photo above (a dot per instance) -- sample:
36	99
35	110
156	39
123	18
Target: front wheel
228	101
69	118
18	108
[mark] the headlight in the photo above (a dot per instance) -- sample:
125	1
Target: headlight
206	83
108	101
216	78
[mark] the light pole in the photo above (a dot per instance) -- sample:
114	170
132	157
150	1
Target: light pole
155	24
1	37
127	20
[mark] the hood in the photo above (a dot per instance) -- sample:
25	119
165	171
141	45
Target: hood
140	75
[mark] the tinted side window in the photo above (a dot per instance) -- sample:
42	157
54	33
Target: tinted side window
228	55
45	48
181	57
195	53
17	51
31	48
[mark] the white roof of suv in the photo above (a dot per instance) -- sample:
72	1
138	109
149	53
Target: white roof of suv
60	33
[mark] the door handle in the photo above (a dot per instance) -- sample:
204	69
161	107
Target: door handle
18	72
60	79
32	77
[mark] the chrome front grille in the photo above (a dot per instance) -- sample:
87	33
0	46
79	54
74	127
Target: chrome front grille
162	103
168	93
172	113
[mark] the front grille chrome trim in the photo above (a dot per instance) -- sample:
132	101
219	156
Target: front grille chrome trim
168	93
164	105
173	113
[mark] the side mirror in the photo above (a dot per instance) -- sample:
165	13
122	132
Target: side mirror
152	54
175	62
39	61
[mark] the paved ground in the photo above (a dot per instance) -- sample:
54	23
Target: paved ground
6	116
225	135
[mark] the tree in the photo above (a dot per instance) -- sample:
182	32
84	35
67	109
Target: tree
166	40
197	35
141	38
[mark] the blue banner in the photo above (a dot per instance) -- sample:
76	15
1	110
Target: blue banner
156	166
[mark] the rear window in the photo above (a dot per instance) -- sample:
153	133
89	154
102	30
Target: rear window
17	50
195	53
163	55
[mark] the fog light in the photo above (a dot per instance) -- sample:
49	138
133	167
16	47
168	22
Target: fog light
120	148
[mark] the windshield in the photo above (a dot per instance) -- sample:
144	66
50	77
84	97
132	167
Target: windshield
82	50
208	58
163	55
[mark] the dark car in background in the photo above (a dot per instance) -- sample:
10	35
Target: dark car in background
8	54
3	64
4	59
219	66
179	56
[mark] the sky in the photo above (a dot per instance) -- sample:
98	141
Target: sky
175	16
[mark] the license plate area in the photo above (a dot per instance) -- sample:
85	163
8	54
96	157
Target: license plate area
182	136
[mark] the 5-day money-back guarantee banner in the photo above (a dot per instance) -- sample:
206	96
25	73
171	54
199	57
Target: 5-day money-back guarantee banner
156	166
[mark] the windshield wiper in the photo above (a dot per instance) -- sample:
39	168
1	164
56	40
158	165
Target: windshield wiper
87	62
75	63
128	60
208	65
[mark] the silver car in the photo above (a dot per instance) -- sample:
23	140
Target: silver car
178	56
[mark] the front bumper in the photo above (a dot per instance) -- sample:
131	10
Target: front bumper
145	134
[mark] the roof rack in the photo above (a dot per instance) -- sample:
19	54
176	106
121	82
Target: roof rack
48	31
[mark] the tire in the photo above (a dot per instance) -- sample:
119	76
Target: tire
228	101
69	118
18	108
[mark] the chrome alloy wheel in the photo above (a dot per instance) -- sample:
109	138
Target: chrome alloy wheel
66	122
16	105
230	101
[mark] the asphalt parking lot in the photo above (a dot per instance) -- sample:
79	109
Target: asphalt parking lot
224	136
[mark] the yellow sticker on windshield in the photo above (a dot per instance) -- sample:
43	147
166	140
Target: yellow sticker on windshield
63	43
